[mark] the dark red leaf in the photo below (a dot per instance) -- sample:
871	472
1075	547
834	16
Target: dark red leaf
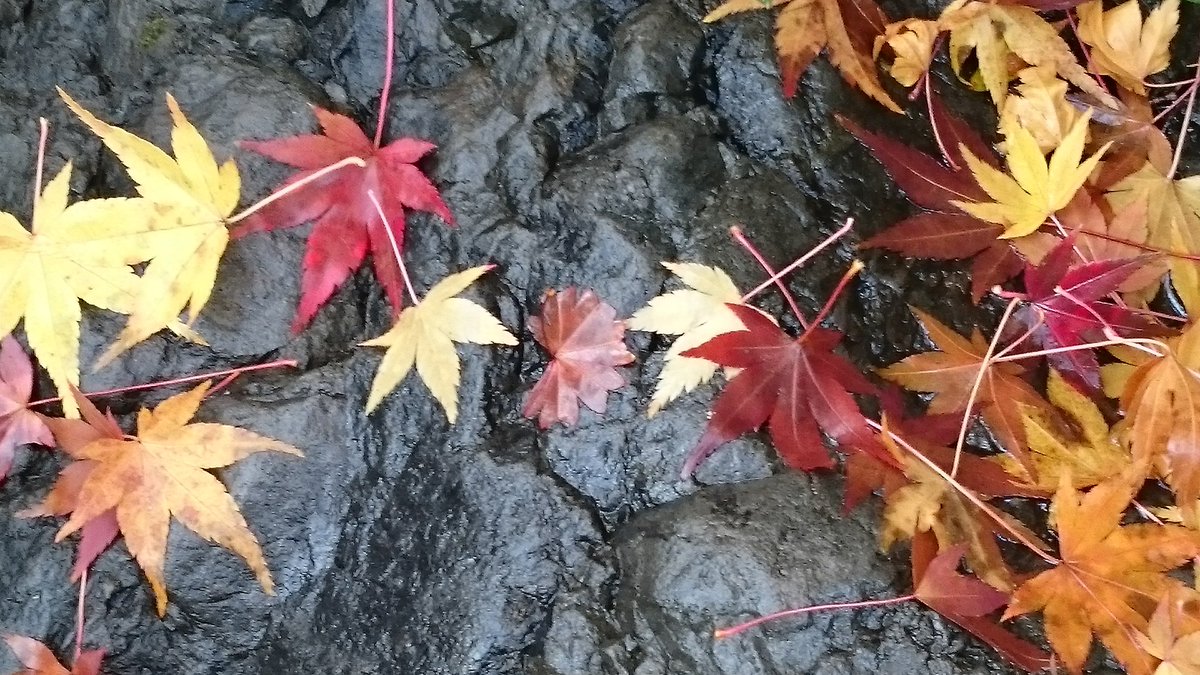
955	133
938	235
998	263
943	589
799	387
348	225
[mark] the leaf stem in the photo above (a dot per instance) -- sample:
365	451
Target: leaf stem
83	579
1087	53
281	363
723	633
43	134
285	191
801	260
970	496
1135	343
983	366
740	237
1141	247
387	70
855	268
387	227
1184	125
937	134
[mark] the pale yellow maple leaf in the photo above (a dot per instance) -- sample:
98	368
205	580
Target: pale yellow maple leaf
1036	188
81	251
696	314
1002	37
424	335
192	197
1124	46
911	42
1173	217
1040	107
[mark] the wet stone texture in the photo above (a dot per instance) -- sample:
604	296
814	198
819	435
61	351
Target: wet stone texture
580	142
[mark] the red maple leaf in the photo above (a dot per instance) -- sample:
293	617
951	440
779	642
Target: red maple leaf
347	221
798	386
586	343
72	436
943	231
18	424
39	660
1063	308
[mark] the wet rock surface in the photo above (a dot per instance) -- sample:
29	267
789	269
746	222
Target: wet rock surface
580	142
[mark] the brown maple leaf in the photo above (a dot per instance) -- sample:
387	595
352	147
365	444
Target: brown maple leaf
950	373
1110	577
586	343
164	472
846	29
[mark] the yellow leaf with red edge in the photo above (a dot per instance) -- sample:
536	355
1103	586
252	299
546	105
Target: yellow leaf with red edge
1110	576
424	336
1125	47
192	196
1033	189
165	472
846	29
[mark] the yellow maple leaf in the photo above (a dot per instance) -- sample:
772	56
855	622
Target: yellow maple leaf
424	335
696	314
78	252
1088	453
1041	108
1173	218
192	197
164	472
1036	188
804	27
1002	37
911	42
1173	635
1125	47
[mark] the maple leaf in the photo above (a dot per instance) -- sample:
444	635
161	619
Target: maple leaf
1161	401
18	424
424	335
39	660
944	232
696	315
845	28
1063	309
164	472
1173	220
911	42
1001	35
797	386
1102	233
81	251
348	224
1040	107
1173	635
192	198
1036	188
1085	450
73	435
1109	577
586	344
1125	47
950	374
966	601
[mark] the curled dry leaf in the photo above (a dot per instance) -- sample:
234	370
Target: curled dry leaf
586	344
186	233
696	315
1125	47
1040	107
164	471
424	336
18	424
37	658
803	28
911	42
347	223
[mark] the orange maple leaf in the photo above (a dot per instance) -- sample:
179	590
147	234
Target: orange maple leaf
37	658
845	28
1110	577
950	373
163	472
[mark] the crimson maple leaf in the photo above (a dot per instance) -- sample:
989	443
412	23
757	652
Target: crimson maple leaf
587	343
1063	308
798	386
348	224
943	231
18	424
